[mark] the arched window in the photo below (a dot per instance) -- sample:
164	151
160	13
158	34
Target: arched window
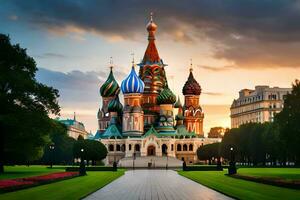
172	147
123	148
191	147
111	147
129	147
136	147
118	147
184	147
178	147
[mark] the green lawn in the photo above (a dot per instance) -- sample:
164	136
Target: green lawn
282	173
75	188
238	188
24	171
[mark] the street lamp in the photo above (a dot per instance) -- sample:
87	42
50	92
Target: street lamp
82	169
51	147
232	167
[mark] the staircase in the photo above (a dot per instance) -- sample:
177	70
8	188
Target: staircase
152	162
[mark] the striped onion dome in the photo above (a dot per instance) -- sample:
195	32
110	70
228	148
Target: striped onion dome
115	105
166	96
110	87
132	84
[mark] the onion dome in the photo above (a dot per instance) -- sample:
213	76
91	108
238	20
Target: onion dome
166	96
110	88
178	103
115	105
132	84
151	26
191	86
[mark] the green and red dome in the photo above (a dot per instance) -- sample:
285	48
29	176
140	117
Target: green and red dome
110	87
166	96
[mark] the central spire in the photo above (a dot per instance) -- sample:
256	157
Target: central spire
151	55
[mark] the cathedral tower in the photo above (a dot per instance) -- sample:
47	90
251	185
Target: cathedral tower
193	115
152	71
166	100
133	115
108	91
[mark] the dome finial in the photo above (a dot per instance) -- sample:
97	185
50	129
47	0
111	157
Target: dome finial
191	65
132	54
151	16
111	63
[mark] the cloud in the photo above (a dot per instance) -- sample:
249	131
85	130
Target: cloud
13	17
216	69
51	55
249	34
213	93
76	87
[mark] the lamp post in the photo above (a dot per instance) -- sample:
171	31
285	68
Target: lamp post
133	160
167	162
51	147
82	169
232	167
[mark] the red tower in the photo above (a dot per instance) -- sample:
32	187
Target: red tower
193	115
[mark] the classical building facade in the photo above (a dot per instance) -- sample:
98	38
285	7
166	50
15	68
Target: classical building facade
259	105
145	125
75	128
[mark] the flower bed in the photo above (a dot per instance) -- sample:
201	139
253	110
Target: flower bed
20	183
294	184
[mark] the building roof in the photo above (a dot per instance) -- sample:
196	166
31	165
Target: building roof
110	87
132	83
191	86
115	105
166	96
151	55
112	132
151	131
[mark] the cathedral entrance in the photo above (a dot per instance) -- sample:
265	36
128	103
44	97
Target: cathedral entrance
151	150
164	149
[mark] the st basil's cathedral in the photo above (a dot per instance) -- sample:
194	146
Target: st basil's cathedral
145	124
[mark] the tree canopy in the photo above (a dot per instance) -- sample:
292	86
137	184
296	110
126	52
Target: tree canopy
288	121
24	106
93	150
62	143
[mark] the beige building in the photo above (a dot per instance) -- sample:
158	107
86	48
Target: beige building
75	128
259	105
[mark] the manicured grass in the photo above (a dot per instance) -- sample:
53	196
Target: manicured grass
238	188
22	171
75	188
280	173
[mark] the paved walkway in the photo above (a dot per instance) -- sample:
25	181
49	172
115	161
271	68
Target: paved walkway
155	184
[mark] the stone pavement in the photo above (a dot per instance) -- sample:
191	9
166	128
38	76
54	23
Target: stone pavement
155	184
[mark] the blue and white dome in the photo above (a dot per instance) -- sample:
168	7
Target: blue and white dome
132	84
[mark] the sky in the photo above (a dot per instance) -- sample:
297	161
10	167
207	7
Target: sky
233	45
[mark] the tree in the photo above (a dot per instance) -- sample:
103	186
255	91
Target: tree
63	145
93	150
289	123
24	106
207	152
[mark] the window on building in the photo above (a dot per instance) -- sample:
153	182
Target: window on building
118	147
136	147
191	147
178	147
172	147
129	147
111	147
184	147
